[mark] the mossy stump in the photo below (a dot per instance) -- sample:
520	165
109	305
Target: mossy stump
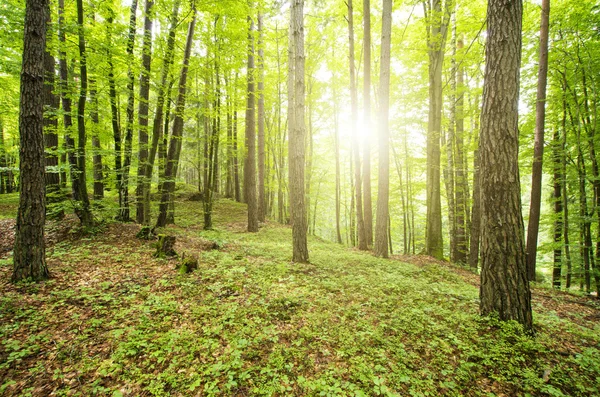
188	264
165	246
144	233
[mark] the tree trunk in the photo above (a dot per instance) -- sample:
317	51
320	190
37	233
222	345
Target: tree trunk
97	149
51	104
504	285
250	160
84	213
558	210
437	27
29	254
172	159
124	188
366	175
297	137
461	181
262	208
538	146
360	222
143	181
383	213
475	215
336	140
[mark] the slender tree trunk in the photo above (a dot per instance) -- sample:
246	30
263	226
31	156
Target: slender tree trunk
565	201
84	213
124	188
297	137
51	104
436	37
250	160
261	123
461	181
383	213
538	146
558	210
336	139
504	285
475	215
360	224
29	254
97	156
172	159
366	175
3	161
143	181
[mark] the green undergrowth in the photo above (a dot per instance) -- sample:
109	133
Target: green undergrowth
249	322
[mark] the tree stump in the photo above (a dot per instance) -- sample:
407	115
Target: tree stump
188	264
164	246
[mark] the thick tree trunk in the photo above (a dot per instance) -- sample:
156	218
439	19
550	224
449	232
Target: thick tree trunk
143	181
29	255
383	213
504	285
297	137
172	160
366	174
250	160
360	222
538	146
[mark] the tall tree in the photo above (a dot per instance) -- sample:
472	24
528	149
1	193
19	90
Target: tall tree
250	160
437	27
84	213
262	205
366	175
360	222
461	180
172	159
143	182
383	192
538	146
504	285
29	255
297	136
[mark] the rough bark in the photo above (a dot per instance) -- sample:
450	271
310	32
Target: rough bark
504	285
250	160
383	191
538	146
297	138
29	255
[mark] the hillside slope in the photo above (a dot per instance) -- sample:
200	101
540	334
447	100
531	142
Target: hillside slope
115	321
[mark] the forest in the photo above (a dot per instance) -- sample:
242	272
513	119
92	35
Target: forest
299	198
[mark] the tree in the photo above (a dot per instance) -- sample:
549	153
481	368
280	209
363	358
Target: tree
29	257
504	285
143	183
437	27
383	213
366	175
297	135
538	149
250	160
262	205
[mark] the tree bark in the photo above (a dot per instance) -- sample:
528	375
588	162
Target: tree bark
366	175
143	181
297	137
172	159
383	213
538	146
262	208
29	254
437	27
504	285
250	160
360	222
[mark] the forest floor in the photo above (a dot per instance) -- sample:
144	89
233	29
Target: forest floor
114	321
